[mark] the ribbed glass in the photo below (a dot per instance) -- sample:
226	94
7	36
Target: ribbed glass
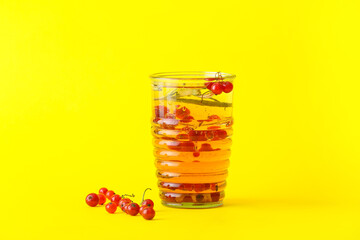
192	129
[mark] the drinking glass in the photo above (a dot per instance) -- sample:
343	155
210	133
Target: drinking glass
192	128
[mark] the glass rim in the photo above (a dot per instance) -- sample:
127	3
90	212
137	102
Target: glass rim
191	75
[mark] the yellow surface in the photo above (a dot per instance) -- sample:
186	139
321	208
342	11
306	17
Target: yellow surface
75	115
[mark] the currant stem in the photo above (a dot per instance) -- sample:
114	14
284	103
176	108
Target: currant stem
132	195
144	194
203	102
202	96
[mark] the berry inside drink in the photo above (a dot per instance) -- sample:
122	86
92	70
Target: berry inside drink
192	129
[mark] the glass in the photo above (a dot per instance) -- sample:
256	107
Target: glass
192	128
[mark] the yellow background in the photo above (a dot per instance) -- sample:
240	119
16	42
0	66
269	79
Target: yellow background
75	115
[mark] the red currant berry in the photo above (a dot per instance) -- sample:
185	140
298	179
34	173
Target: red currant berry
196	154
133	209
199	187
102	198
142	209
147	202
115	199
111	207
125	209
214	187
186	147
219	134
215	197
148	213
213	117
187	187
182	136
197	135
92	199
187	198
227	87
208	85
109	194
123	202
187	119
182	112
216	88
103	190
205	147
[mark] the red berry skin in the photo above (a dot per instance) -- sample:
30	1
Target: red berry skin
219	134
92	199
199	187
115	199
142	209
133	209
205	147
187	187
182	136
213	117
148	213
217	88
187	119
125	209
227	87
111	207
102	199
147	202
195	135
109	194
182	112
123	202
208	85
103	190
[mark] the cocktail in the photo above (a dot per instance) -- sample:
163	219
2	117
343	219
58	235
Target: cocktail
192	128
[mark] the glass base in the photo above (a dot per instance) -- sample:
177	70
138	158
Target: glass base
192	205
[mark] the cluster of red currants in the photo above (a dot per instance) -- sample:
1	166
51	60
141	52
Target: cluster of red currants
219	86
127	205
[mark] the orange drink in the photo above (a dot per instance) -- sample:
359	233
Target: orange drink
192	129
